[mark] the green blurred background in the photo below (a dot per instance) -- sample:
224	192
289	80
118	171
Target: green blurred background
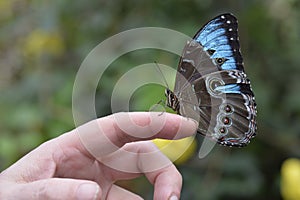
43	43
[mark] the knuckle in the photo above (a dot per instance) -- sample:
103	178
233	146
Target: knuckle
42	191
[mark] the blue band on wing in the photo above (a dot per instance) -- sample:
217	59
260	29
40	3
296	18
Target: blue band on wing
231	88
220	35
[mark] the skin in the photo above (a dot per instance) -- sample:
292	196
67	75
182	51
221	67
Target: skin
75	166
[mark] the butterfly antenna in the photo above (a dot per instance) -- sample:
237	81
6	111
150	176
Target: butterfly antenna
162	75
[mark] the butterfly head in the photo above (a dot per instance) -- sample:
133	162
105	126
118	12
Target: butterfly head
172	100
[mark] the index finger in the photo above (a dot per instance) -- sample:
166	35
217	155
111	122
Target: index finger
105	135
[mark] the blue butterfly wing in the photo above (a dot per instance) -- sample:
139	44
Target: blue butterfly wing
212	87
221	36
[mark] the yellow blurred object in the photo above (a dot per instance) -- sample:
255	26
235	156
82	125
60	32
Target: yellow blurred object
40	42
290	179
178	151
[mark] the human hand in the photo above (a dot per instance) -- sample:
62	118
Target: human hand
86	162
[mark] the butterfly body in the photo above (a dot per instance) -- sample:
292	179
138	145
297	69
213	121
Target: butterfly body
212	87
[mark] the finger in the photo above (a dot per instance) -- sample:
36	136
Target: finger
37	164
167	183
42	162
117	192
144	157
55	188
106	135
134	159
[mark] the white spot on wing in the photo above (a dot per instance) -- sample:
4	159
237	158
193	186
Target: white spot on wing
182	69
195	108
189	61
193	87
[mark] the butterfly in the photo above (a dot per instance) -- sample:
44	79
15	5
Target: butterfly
211	85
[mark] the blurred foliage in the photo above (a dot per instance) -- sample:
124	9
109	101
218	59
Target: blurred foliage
42	44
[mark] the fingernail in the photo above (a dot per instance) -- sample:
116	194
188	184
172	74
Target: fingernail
87	191
195	123
173	197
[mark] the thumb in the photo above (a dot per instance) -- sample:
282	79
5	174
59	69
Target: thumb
58	188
